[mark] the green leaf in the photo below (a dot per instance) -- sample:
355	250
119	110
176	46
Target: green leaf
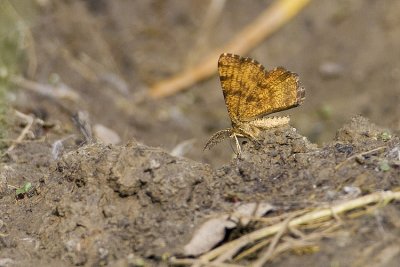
20	191
27	187
384	166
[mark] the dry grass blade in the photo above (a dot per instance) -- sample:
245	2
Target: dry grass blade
359	154
80	68
306	219
46	90
275	16
253	249
268	254
195	262
263	243
276	219
308	240
29	120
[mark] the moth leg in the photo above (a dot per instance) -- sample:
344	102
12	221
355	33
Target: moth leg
257	143
238	148
253	139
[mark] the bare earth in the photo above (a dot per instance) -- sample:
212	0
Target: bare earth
135	204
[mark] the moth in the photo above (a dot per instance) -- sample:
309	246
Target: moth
251	92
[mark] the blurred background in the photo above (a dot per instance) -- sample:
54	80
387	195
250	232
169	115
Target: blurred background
58	58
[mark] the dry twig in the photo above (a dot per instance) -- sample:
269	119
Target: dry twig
274	17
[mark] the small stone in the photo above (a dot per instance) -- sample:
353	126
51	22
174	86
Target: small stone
330	70
106	135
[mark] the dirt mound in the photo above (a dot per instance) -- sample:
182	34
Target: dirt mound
103	205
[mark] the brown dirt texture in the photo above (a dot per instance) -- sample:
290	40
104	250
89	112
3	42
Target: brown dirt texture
139	201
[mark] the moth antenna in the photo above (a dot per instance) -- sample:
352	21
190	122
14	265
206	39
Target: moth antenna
217	138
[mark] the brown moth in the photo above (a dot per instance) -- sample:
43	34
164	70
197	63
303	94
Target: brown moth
251	92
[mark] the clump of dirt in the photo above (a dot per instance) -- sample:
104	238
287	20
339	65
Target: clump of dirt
108	205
